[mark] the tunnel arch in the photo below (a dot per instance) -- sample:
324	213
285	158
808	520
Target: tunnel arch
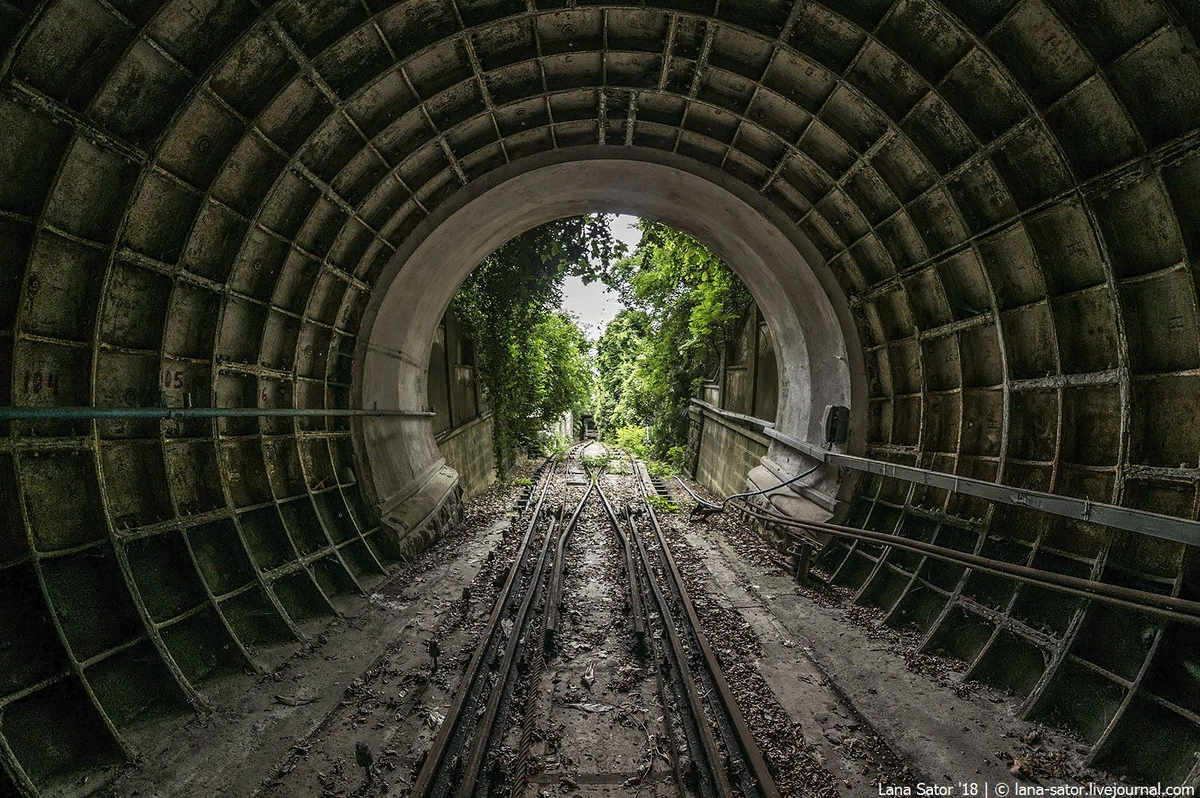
199	198
809	319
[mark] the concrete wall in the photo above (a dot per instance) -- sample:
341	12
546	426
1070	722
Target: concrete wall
462	425
747	377
726	452
454	390
468	450
567	426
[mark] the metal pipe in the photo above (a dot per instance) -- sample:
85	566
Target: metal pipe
697	498
85	413
1168	607
720	411
1180	530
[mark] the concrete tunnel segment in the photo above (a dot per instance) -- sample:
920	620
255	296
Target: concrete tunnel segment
809	319
201	198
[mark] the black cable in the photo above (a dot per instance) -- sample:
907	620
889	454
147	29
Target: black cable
800	476
721	507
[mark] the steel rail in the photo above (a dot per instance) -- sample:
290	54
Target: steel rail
554	596
693	721
86	413
1168	607
490	729
435	757
683	672
536	661
751	754
636	608
482	738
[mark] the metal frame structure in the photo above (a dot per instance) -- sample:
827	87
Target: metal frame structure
1146	523
87	413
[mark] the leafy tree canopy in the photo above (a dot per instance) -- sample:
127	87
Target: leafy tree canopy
684	304
532	359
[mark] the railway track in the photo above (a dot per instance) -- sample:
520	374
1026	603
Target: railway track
498	704
454	762
734	763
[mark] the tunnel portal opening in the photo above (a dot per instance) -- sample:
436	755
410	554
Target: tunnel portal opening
809	320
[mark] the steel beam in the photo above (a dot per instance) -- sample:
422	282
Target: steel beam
1181	530
42	413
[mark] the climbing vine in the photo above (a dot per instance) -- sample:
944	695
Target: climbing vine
682	305
533	359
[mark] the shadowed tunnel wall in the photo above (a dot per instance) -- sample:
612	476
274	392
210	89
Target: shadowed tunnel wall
199	200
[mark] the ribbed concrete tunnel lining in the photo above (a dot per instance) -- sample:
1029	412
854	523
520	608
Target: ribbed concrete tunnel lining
198	198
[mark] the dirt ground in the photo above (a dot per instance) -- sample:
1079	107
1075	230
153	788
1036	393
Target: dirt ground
838	703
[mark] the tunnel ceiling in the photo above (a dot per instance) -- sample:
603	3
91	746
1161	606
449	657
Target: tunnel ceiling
197	196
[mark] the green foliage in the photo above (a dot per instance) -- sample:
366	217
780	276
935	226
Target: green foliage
633	440
684	303
669	467
554	446
597	465
616	360
662	504
619	466
561	378
532	359
522	481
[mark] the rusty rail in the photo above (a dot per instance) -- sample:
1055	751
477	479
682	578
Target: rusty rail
554	595
685	677
710	777
473	683
637	609
752	757
486	725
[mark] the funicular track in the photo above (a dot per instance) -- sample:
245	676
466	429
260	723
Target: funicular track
734	765
454	764
713	753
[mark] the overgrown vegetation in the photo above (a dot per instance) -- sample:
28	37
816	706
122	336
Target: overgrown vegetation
532	358
596	465
682	304
662	504
554	445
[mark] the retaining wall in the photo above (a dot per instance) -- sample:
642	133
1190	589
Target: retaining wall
468	450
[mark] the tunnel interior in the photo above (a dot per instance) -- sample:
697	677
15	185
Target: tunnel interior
231	203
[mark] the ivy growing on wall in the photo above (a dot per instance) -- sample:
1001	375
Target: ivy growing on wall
682	304
532	358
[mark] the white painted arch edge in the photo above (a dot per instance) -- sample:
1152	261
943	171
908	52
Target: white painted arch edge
820	361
